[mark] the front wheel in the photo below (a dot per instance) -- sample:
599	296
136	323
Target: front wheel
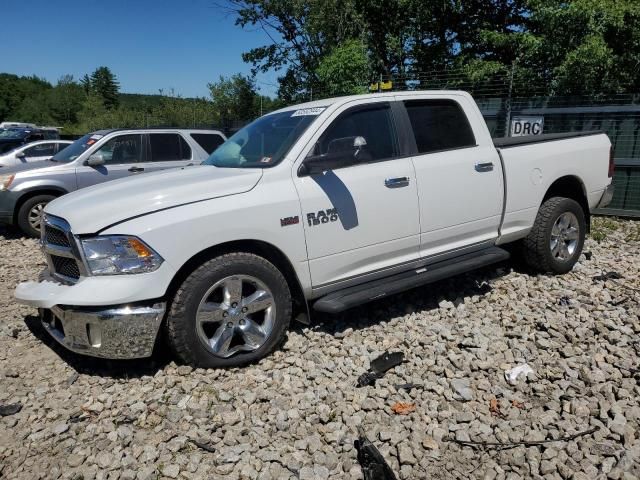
231	311
30	214
556	239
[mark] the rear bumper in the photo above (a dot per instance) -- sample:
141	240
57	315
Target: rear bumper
607	196
119	332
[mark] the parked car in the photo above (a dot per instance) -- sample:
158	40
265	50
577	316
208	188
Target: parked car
33	152
325	206
95	158
11	138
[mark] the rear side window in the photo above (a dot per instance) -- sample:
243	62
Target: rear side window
208	141
166	147
374	123
439	125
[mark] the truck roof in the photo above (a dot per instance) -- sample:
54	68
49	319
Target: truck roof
325	102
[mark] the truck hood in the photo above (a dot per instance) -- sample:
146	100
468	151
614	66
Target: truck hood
91	209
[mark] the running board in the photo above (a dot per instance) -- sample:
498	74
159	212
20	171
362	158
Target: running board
353	296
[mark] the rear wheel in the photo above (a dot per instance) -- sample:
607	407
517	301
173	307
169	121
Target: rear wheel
555	242
233	310
30	214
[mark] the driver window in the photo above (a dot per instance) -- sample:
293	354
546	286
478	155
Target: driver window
374	123
122	149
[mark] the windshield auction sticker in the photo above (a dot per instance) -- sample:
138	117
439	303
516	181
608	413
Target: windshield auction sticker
308	111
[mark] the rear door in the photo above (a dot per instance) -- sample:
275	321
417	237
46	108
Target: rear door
460	183
123	155
167	150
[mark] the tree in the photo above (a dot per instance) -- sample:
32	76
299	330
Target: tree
345	70
549	46
85	83
105	85
233	99
65	100
302	32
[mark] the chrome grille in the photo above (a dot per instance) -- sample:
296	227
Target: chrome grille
54	236
66	267
61	250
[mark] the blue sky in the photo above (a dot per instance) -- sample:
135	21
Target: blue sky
148	44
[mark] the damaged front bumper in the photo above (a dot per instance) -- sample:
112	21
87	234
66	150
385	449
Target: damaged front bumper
119	332
101	316
98	316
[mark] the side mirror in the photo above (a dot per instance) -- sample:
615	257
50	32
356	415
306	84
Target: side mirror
341	152
95	160
21	155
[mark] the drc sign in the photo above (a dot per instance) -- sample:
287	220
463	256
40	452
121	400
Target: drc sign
522	126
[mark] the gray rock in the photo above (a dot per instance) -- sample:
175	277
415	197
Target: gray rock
105	460
60	428
171	471
462	389
405	454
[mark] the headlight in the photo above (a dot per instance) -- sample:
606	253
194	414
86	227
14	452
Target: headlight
5	181
119	254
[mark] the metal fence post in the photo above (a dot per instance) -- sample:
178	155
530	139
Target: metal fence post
508	103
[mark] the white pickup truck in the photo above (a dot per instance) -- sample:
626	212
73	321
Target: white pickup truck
320	206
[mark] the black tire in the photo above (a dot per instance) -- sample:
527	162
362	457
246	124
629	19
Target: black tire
181	326
25	211
537	250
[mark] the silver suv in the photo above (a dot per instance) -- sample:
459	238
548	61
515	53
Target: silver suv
95	158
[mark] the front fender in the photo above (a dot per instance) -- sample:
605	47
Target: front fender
179	233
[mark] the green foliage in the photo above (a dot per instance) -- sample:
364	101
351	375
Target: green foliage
345	70
302	33
234	100
78	107
602	227
553	47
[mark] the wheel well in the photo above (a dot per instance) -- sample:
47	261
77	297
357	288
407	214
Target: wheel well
31	194
257	247
570	187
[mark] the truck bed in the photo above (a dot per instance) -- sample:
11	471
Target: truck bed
531	164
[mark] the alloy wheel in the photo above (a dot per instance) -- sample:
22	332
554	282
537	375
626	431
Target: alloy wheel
565	235
237	314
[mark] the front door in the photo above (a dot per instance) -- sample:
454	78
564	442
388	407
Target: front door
460	182
360	220
123	155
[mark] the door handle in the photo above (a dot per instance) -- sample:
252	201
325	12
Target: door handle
396	182
484	167
136	169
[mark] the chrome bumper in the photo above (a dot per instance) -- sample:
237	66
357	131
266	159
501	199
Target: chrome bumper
116	332
607	196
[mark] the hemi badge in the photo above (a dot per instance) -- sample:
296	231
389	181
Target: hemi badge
289	221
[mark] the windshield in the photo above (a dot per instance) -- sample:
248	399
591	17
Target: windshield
10	133
77	148
264	142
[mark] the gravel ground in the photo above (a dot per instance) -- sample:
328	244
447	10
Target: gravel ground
296	414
